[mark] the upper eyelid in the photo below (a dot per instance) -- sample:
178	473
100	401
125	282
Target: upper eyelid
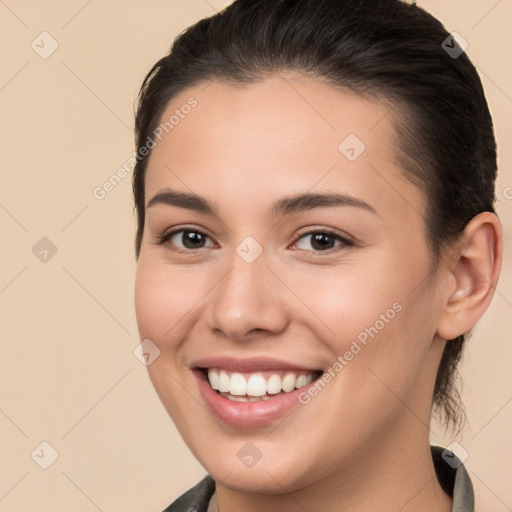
329	231
173	231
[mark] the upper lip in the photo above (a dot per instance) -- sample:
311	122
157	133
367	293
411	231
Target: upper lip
249	365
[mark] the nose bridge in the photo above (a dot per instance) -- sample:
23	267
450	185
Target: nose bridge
246	297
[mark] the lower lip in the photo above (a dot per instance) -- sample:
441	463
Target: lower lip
248	414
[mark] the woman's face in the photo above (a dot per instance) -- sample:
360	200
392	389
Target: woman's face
303	252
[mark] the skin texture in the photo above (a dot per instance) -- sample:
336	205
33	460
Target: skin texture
363	442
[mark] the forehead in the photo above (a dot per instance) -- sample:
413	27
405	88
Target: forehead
286	133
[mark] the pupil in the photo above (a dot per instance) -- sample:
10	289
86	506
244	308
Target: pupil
192	239
322	241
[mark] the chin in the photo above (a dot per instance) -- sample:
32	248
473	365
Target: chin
264	480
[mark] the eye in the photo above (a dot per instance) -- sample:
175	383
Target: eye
185	240
321	240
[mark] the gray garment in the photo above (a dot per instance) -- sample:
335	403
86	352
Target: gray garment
450	471
454	479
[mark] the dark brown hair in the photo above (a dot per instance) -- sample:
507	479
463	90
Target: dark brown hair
385	49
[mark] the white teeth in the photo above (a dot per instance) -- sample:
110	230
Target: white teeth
238	398
288	383
223	381
302	380
234	398
255	387
214	379
238	384
274	384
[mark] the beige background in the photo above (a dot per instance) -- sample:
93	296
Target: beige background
68	374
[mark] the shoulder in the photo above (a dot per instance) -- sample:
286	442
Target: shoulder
195	499
454	479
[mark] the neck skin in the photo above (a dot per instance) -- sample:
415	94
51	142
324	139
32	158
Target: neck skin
394	473
402	478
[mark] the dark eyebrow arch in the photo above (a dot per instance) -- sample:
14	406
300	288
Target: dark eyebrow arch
309	201
186	200
284	206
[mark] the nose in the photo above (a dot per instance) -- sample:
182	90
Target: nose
248	300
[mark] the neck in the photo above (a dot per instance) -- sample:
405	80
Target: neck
385	477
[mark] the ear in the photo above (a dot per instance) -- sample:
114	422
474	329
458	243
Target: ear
475	268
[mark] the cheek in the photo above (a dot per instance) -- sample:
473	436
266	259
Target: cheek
350	298
375	316
164	299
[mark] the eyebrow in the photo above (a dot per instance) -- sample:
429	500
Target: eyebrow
284	206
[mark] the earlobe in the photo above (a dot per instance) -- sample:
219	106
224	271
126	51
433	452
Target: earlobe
476	268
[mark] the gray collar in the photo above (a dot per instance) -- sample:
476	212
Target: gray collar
454	479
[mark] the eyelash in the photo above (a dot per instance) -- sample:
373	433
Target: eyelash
345	242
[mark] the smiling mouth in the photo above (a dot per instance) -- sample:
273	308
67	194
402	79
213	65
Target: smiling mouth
257	386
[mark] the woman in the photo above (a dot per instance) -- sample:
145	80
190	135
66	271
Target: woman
316	236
